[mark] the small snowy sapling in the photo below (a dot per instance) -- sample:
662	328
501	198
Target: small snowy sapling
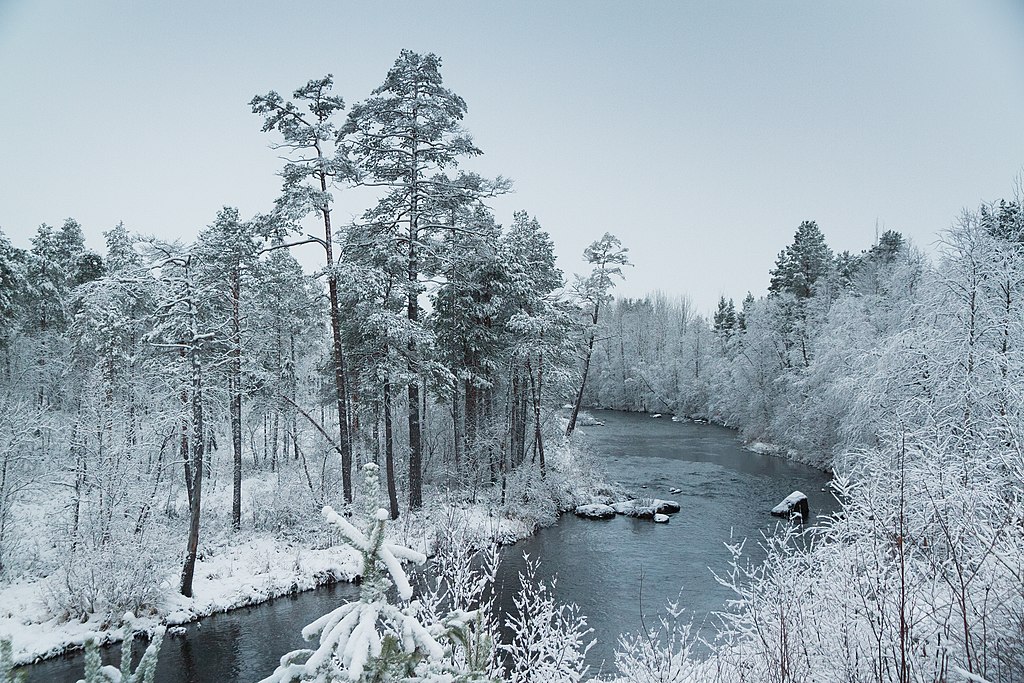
371	640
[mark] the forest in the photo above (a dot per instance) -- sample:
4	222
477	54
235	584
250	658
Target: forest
178	418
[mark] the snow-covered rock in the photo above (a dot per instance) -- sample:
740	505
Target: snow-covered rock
675	491
656	415
660	519
645	509
793	506
678	418
595	511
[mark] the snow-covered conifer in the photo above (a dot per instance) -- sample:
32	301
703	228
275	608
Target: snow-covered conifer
370	639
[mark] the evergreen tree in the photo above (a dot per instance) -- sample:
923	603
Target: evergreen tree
725	320
226	254
316	165
12	283
371	640
401	136
801	264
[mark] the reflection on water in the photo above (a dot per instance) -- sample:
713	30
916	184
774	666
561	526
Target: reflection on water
618	571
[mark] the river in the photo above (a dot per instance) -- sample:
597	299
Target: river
600	565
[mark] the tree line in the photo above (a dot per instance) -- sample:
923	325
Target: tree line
901	373
433	341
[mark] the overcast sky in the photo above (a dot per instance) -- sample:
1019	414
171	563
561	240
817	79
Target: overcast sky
699	133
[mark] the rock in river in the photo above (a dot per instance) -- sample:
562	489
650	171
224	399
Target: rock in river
661	519
645	509
793	507
595	511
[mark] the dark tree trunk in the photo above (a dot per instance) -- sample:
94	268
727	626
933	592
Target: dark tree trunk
413	312
340	385
586	370
389	453
198	449
536	387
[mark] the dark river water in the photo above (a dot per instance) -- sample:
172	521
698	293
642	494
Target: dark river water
600	565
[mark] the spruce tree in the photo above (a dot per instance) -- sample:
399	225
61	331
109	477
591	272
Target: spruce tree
801	264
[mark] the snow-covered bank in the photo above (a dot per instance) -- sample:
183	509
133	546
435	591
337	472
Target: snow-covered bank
242	569
235	572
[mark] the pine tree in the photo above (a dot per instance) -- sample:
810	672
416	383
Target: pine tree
12	284
316	166
145	672
371	640
227	253
724	321
401	136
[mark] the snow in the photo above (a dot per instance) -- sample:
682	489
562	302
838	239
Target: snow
645	508
233	574
595	511
660	518
788	504
762	448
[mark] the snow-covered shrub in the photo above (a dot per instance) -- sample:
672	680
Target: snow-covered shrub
278	501
664	654
462	580
145	672
549	640
7	674
109	579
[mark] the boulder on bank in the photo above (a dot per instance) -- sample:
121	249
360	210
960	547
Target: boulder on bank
645	509
794	506
660	519
585	419
595	511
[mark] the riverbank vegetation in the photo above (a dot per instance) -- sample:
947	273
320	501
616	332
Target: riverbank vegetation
174	414
905	375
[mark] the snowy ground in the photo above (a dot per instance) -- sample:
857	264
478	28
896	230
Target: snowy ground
249	567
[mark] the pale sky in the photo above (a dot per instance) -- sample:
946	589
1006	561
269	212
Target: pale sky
701	134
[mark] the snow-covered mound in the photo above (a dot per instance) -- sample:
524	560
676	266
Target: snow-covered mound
585	419
595	511
645	509
660	519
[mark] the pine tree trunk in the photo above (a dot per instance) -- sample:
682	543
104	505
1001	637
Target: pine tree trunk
586	369
536	385
340	386
457	426
413	310
389	453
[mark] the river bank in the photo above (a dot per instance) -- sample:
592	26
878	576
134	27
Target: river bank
242	569
818	461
